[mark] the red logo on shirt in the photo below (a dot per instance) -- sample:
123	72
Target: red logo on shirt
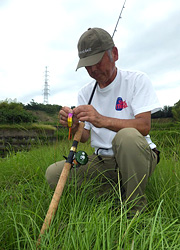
120	104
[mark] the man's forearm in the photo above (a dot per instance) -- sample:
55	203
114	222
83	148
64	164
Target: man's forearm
115	124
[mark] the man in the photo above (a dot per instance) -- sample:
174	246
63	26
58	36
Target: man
118	120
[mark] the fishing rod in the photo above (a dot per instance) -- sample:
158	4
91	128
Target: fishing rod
115	29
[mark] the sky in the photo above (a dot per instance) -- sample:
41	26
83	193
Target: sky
39	33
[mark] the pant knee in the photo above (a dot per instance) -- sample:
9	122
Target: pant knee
126	137
53	172
49	175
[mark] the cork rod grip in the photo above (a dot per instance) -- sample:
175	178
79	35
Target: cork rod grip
78	134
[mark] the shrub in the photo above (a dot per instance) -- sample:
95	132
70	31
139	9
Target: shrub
176	111
13	112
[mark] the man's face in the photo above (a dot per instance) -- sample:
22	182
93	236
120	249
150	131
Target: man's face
104	71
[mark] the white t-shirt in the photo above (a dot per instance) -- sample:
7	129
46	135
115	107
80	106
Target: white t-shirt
130	93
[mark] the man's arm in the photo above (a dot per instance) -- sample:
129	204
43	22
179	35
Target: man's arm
142	122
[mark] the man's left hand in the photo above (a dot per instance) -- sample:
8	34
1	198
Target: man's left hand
89	114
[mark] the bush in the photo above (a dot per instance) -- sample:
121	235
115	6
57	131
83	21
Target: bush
176	111
13	112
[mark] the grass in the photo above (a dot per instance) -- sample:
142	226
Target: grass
83	220
26	126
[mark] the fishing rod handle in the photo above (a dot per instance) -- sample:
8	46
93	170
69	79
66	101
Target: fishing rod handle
78	134
56	197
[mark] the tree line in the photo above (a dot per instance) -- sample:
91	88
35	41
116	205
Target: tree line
12	112
166	112
48	108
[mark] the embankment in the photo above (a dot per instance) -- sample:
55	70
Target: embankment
15	138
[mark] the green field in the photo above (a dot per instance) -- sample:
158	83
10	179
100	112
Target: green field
84	221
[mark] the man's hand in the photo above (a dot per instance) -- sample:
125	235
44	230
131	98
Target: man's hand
63	114
64	122
89	113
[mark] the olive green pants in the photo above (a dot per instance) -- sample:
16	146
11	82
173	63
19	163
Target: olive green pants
133	161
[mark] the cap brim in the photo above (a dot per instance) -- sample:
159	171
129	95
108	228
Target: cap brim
90	60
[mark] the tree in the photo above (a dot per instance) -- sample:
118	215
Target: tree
176	111
166	112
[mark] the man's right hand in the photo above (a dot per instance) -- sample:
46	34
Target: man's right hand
64	122
63	115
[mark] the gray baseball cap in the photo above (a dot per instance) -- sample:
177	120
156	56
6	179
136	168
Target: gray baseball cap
92	45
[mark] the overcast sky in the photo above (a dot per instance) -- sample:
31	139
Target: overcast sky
39	33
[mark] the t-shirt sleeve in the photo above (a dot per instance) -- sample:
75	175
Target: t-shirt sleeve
144	96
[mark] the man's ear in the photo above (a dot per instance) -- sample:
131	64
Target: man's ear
115	53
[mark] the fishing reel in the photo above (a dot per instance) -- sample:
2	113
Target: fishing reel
80	158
